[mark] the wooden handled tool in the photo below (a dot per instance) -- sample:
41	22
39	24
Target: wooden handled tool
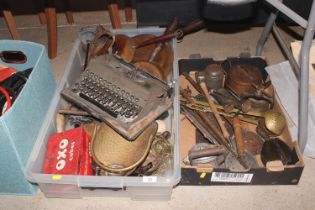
169	29
220	137
73	112
178	34
192	82
60	123
239	136
213	108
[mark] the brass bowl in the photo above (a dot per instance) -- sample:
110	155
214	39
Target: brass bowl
109	149
274	122
271	125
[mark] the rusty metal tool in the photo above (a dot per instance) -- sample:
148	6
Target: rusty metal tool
203	106
202	88
220	138
193	117
247	119
211	151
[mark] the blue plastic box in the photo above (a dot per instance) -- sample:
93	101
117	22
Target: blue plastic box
19	126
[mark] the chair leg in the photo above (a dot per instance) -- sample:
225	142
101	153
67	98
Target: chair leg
51	31
11	24
40	11
114	15
42	18
128	11
69	15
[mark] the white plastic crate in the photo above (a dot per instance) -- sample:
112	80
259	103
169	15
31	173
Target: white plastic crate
72	186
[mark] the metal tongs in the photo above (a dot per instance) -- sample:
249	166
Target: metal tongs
178	33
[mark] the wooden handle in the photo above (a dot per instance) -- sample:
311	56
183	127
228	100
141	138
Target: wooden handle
171	27
193	26
73	112
238	136
215	111
60	123
162	38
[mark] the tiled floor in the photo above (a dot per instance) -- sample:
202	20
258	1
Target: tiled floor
219	42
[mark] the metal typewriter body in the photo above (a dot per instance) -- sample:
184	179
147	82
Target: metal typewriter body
114	92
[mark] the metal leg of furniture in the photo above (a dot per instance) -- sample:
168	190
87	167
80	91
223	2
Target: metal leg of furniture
287	51
51	31
265	33
288	12
304	79
11	24
114	15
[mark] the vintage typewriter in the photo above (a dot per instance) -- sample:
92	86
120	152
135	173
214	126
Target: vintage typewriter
117	93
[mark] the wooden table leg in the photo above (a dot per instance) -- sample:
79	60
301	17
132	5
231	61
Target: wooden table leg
69	15
114	15
51	31
42	18
128	11
11	24
40	11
